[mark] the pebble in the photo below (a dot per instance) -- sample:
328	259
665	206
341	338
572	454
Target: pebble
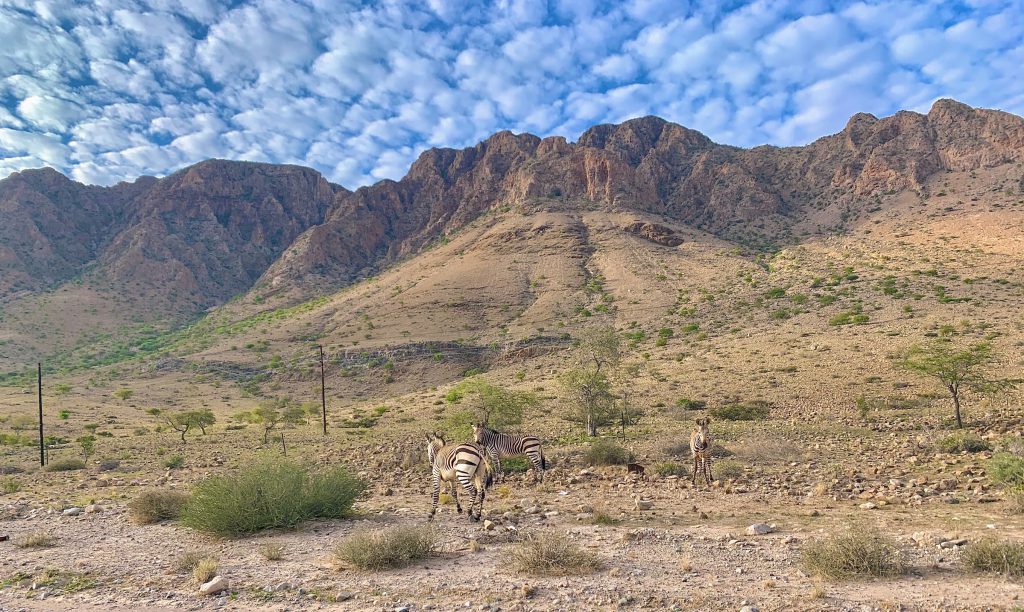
73	511
760	529
868	506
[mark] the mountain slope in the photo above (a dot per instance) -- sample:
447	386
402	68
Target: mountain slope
756	196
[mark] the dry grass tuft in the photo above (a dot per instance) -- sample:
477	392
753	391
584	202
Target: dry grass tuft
204	570
550	554
272	551
36	539
155	506
65	465
856	554
991	555
188	562
389	548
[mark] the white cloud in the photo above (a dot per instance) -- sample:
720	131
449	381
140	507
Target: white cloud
107	91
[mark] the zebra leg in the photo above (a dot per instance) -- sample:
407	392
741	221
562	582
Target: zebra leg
710	475
467	484
455	496
696	466
496	460
434	496
537	469
481	494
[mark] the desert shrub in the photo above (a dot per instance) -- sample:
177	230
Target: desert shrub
174	462
753	411
603	518
551	554
9	485
690	404
857	553
515	465
36	539
962	442
992	555
65	465
389	548
10	469
1015	495
606	452
272	551
109	465
205	570
727	470
768	450
269	494
1006	469
670	468
190	560
155	506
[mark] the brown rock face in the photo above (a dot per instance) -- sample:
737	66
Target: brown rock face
184	242
645	164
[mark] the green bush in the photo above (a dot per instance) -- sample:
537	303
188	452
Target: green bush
670	468
515	465
690	404
155	506
606	452
9	485
65	465
963	442
753	411
270	494
389	548
174	462
855	554
992	555
1005	468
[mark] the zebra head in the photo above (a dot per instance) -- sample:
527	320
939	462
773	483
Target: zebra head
481	433
434	444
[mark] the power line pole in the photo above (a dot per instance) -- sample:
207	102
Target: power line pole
42	455
323	388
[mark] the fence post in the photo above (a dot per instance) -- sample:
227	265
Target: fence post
323	389
42	453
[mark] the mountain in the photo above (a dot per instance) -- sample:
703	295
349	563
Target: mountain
752	196
84	265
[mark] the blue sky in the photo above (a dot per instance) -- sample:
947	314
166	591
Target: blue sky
109	90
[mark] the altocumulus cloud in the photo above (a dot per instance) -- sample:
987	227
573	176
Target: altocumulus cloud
112	90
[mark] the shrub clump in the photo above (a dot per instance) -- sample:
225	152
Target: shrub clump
1006	468
389	548
670	468
551	554
155	506
963	443
270	494
606	452
690	404
36	539
855	554
65	465
753	411
992	555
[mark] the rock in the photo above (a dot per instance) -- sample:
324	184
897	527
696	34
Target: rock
344	596
489	525
749	609
93	509
532	510
218	584
75	511
551	514
643	504
760	529
868	506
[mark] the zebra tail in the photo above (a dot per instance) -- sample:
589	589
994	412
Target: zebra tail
489	471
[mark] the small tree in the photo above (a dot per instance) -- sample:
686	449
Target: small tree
88	446
203	419
956	367
182	422
489	404
124	394
268	414
589	396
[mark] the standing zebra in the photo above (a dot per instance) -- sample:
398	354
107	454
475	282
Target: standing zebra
467	463
500	445
700	447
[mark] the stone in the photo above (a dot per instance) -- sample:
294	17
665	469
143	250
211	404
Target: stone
644	504
532	510
489	525
93	509
868	506
75	511
760	529
749	609
218	584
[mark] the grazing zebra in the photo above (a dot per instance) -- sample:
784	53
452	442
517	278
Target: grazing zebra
500	445
467	463
700	447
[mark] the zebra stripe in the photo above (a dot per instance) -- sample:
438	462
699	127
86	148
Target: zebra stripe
465	463
700	447
500	445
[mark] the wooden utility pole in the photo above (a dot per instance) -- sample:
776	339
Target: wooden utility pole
323	388
42	453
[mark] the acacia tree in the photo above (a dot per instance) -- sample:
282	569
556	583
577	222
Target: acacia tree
587	387
182	422
492	405
956	367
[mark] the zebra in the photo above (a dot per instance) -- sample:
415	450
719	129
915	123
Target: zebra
500	445
700	447
467	463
